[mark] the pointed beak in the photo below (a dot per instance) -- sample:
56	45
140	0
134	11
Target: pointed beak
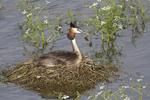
82	31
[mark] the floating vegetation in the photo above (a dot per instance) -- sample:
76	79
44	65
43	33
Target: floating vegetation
67	80
37	31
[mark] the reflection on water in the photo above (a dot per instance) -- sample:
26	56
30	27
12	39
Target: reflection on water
110	54
137	33
130	16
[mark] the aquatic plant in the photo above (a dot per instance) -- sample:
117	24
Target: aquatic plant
109	21
37	31
112	16
124	92
110	54
5	80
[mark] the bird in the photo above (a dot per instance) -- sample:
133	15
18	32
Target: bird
60	57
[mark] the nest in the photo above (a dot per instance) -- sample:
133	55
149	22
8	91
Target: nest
67	80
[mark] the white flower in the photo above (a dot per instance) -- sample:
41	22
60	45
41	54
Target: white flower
59	27
120	6
37	7
65	97
101	87
29	14
116	18
115	24
120	26
27	31
47	2
143	87
97	17
125	87
122	95
137	17
106	8
131	79
89	98
45	17
126	98
45	21
99	0
131	7
102	22
99	93
94	4
24	12
139	80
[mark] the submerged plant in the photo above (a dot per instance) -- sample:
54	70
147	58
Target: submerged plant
37	30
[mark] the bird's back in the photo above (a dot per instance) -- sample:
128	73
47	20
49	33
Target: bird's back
52	59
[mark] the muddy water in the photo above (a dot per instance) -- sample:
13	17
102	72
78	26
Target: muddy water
136	59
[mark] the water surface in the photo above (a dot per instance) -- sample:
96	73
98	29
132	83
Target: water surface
136	59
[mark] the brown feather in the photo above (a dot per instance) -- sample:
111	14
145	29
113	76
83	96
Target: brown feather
71	34
52	59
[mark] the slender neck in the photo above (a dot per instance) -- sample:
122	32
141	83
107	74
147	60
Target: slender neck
75	48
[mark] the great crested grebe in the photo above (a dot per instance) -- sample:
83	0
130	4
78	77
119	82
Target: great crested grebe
54	58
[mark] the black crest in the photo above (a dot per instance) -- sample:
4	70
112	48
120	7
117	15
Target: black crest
73	24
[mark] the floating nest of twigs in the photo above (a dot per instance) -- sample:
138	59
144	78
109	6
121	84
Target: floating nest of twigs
67	80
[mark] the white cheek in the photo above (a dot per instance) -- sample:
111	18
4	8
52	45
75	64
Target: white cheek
76	30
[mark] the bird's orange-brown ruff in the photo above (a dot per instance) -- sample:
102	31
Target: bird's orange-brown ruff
71	32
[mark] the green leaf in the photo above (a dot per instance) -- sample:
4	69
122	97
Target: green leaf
24	36
5	80
71	15
78	96
86	38
90	44
60	96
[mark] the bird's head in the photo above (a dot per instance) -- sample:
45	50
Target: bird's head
74	29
